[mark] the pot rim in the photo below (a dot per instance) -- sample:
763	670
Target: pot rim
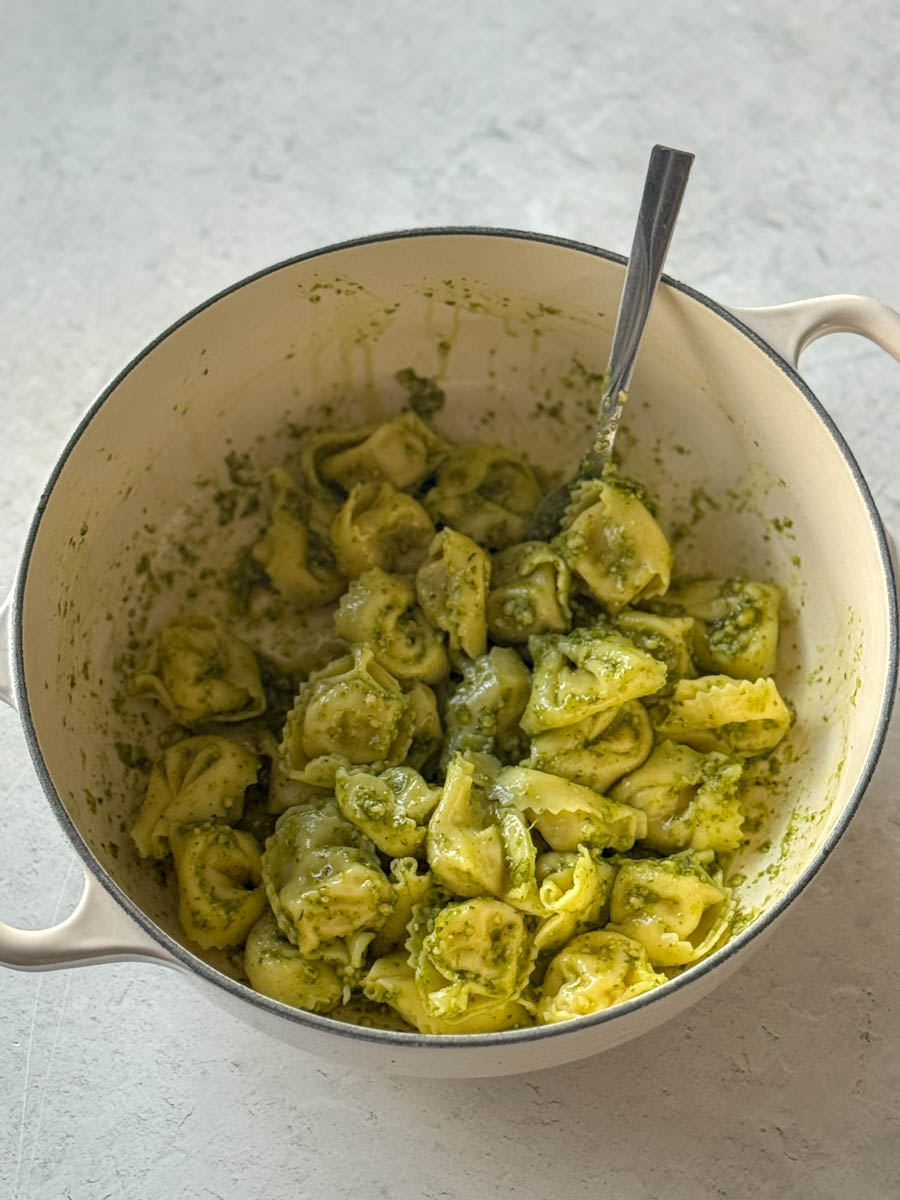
393	1038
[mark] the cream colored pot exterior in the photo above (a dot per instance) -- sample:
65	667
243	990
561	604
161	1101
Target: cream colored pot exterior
750	472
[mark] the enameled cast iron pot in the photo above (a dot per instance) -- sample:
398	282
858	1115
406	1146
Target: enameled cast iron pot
748	466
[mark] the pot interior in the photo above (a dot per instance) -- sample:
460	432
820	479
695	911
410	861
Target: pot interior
156	497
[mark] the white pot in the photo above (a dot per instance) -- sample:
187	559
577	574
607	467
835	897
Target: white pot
719	425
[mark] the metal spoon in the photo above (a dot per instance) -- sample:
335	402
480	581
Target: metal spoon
667	176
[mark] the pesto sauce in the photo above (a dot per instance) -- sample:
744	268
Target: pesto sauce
425	397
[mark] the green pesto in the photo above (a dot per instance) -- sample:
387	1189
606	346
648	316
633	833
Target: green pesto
632	487
135	758
246	577
226	501
425	397
241	470
280	689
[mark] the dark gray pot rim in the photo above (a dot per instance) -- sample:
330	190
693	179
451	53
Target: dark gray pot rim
390	1038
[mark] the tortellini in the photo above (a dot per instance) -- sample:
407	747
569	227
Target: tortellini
692	801
735	623
350	712
318	448
483	714
285	792
566	814
426	732
585	672
593	972
324	882
451	586
198	779
392	808
401	451
468	949
486	492
668	639
717	712
463	842
380	611
277	968
391	980
295	556
219	883
410	886
574	890
201	672
597	750
474	783
673	906
477	848
529	593
380	527
611	539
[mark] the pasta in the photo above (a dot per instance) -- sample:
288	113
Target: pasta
691	800
593	972
597	750
324	881
613	543
586	672
451	586
198	779
473	847
350	712
426	731
511	795
294	555
392	981
673	906
379	526
392	808
277	968
574	894
735	623
201	672
401	451
530	586
483	714
467	949
568	815
668	639
380	610
219	883
485	492
717	712
410	886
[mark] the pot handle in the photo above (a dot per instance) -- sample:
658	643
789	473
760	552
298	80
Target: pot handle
98	931
790	328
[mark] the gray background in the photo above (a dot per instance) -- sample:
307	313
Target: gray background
154	153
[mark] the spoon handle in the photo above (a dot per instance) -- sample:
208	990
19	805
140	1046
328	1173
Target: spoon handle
667	176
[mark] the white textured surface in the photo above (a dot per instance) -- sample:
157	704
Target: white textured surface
152	154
